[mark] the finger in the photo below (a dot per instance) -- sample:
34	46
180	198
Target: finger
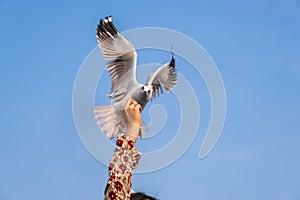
131	107
139	107
133	101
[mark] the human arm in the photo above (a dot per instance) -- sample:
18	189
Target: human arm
125	157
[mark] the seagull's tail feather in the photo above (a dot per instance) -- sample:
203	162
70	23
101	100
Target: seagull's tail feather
107	119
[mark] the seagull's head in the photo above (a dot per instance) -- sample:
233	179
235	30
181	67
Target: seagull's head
142	94
146	90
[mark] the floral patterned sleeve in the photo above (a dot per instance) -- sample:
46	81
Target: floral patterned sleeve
124	160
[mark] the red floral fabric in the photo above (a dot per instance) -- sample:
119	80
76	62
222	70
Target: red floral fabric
124	160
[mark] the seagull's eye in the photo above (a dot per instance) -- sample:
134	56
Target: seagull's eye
143	88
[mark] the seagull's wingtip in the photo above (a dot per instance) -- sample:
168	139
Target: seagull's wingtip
172	62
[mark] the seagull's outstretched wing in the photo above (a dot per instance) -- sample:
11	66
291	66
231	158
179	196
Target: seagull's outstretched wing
122	67
164	76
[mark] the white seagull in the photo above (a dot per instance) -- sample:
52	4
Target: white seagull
122	70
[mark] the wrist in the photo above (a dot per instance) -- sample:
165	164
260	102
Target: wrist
133	130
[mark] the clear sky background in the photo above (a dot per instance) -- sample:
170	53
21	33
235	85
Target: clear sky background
256	46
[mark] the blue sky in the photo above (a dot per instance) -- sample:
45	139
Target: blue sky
255	45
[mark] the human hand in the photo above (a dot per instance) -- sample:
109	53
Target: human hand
133	110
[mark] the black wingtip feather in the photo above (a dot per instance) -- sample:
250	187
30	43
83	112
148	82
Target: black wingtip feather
106	25
172	62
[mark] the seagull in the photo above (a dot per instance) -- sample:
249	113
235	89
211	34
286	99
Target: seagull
122	70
